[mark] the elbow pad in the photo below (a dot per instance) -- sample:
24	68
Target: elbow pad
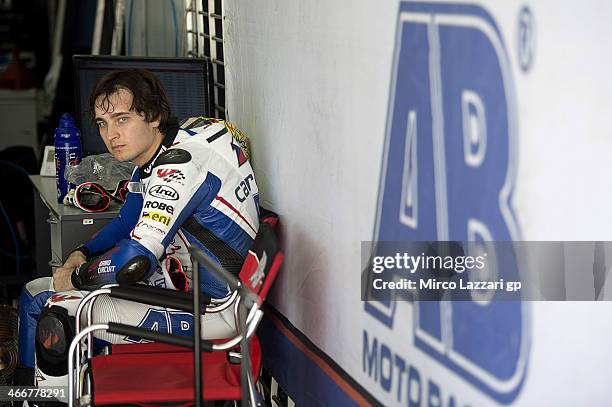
127	263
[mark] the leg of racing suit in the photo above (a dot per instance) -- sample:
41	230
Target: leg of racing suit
48	333
54	332
31	302
56	328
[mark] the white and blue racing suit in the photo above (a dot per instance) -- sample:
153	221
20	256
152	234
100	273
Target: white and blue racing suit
198	190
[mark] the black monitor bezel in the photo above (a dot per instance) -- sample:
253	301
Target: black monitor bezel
77	60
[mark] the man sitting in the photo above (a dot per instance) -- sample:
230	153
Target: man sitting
193	185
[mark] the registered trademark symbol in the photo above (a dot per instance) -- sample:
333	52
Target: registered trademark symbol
526	38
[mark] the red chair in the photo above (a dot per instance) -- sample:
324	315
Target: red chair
162	373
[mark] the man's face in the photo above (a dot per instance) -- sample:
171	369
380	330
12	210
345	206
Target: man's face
128	137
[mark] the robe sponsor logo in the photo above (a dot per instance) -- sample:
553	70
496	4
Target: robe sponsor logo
171	175
450	145
164	192
157	217
159	205
243	190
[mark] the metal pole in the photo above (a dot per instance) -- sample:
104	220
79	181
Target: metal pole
197	362
249	398
97	34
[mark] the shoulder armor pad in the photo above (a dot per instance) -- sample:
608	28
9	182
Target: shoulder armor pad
173	156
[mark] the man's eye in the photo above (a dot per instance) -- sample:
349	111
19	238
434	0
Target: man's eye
100	124
123	119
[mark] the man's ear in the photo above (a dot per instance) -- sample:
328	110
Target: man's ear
154	124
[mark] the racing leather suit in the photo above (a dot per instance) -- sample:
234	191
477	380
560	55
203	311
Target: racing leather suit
198	189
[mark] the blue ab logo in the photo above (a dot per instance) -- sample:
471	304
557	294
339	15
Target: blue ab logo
448	174
169	322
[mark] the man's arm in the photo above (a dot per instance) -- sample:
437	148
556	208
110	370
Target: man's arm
75	259
126	263
119	228
176	188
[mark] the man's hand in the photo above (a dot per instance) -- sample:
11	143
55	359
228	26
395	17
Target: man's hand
75	259
61	277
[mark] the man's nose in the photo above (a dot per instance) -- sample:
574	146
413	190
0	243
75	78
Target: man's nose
112	133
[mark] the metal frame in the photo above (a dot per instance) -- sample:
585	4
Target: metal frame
77	368
204	28
76	373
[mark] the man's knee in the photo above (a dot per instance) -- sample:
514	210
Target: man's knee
31	302
34	295
54	333
38	286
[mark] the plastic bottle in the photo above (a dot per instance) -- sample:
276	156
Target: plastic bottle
67	152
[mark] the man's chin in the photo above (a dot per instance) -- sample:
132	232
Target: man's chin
120	156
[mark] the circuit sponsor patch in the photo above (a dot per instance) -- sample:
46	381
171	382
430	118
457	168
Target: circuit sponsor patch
106	267
92	267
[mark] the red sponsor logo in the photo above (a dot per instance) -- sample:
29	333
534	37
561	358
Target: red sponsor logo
63	297
171	175
164	172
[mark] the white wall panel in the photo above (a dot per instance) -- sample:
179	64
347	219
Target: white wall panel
309	82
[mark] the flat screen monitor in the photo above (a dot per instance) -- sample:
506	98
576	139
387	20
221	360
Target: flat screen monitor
185	80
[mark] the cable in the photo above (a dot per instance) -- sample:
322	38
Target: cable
15	167
12	255
14	237
146	28
16	255
176	36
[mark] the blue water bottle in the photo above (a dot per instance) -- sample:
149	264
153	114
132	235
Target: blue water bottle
67	152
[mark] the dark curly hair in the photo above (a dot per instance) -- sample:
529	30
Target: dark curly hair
149	97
